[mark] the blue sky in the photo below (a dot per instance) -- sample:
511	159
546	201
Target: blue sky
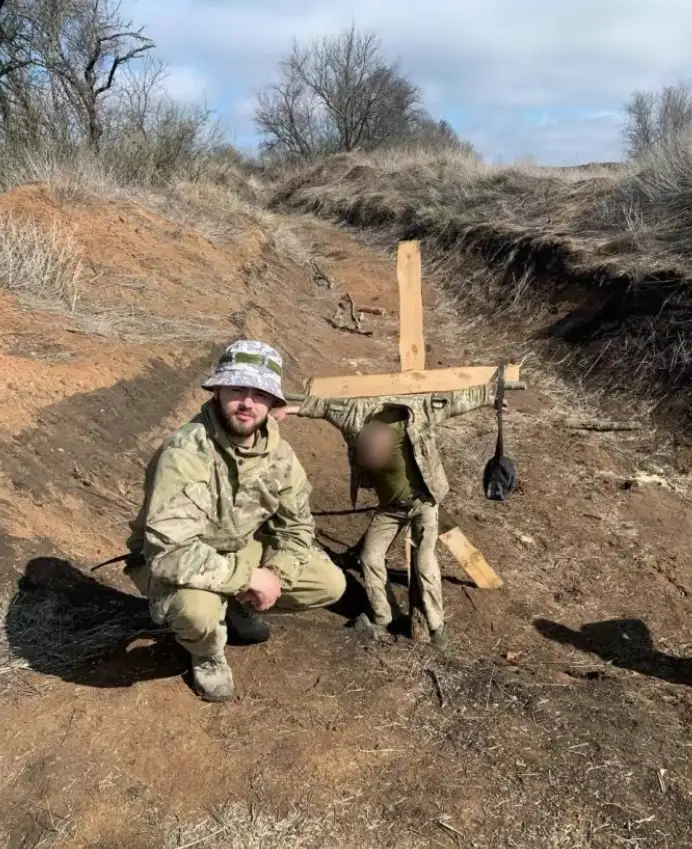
538	78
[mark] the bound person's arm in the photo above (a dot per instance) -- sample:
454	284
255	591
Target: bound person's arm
333	410
179	508
444	405
339	412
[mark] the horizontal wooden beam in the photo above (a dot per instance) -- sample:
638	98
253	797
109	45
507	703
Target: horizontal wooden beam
406	383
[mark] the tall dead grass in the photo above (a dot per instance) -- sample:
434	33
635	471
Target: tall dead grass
441	192
646	207
40	261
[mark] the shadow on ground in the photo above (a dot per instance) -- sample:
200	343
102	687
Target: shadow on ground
625	643
63	622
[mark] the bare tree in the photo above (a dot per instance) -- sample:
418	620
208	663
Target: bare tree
75	74
149	137
288	113
336	94
15	37
16	31
439	135
657	118
84	45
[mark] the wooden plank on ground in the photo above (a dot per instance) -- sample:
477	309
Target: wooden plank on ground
405	383
411	339
467	555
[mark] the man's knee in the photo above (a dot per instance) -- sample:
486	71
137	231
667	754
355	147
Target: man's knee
334	585
373	561
329	581
194	614
321	585
374	553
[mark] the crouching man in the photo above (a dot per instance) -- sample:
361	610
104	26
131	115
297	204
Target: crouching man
225	529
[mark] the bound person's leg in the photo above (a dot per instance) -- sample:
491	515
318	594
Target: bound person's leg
380	535
424	535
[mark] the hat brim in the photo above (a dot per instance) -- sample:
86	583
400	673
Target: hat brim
246	378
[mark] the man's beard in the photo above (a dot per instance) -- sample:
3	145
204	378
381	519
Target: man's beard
242	429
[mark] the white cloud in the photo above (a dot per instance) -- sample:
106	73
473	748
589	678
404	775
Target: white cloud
507	55
188	84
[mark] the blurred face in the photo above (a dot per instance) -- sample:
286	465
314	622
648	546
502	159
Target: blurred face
374	446
244	410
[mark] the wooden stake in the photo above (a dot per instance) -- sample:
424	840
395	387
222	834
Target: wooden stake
418	623
467	555
411	340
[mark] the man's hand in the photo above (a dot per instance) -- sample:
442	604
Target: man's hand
280	413
263	591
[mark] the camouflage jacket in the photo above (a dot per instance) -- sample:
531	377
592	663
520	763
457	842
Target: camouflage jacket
425	412
205	499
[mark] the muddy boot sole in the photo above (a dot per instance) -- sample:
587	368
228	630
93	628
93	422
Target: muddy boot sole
212	679
440	637
366	628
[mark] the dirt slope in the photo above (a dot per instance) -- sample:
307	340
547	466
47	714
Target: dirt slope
560	716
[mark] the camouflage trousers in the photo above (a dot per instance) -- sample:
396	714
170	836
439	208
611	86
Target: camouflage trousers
196	617
383	530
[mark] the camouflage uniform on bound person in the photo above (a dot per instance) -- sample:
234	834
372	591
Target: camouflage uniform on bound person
220	512
421	481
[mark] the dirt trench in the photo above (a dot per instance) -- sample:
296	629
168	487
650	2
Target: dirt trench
560	715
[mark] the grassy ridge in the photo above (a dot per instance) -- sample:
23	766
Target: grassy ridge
600	253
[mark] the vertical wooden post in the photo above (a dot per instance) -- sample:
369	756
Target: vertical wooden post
418	622
411	339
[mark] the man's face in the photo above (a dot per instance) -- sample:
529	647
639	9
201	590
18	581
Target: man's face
374	446
244	409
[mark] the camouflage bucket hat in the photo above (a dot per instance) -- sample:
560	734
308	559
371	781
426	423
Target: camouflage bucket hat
251	364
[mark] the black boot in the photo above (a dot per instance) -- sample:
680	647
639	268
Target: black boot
245	625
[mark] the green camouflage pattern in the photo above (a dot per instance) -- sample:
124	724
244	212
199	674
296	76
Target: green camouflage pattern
206	499
426	412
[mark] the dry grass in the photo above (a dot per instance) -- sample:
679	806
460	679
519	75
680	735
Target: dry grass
68	179
40	262
140	327
441	189
236	827
58	632
216	212
563	782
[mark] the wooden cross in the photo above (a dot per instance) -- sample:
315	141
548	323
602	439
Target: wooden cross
415	379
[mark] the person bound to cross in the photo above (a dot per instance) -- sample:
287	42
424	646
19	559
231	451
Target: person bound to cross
392	449
225	528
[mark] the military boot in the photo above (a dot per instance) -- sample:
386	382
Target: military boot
211	675
367	628
245	625
440	637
